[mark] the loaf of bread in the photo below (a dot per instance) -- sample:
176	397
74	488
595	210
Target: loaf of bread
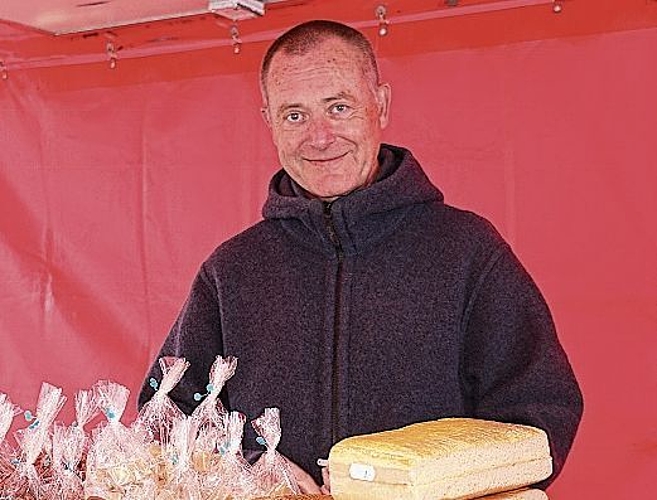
521	494
451	458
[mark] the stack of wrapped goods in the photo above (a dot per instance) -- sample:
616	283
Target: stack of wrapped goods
447	459
167	455
163	455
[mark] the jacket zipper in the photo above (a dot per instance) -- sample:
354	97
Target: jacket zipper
335	375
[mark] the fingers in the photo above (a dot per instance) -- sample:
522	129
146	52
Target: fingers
305	481
326	479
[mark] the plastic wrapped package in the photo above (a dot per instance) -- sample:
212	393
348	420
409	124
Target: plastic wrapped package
210	411
69	446
183	480
119	462
66	480
230	475
86	408
8	411
32	462
210	414
206	448
272	471
160	413
163	455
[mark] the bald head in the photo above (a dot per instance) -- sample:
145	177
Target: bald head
307	36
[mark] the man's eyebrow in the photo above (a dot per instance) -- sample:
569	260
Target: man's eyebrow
283	108
340	95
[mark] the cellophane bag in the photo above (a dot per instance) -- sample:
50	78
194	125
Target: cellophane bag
69	446
119	462
32	463
8	411
210	414
160	413
183	481
65	482
272	471
211	410
230	475
205	448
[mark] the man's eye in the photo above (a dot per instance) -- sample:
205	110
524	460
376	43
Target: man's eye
340	109
294	117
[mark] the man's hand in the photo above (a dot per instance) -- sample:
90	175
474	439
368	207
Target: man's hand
305	481
326	478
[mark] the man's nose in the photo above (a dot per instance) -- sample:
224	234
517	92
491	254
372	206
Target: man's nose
320	132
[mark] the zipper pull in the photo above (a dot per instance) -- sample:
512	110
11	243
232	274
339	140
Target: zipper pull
328	218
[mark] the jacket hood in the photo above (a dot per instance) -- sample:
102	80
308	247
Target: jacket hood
364	214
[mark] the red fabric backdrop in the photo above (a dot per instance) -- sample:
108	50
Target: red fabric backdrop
114	185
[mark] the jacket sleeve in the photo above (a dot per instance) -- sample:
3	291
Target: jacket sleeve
195	336
514	368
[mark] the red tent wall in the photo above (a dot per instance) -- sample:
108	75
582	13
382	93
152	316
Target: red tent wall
114	185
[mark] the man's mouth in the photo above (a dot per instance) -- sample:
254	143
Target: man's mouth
325	160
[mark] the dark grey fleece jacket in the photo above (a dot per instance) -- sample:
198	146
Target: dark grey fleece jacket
386	307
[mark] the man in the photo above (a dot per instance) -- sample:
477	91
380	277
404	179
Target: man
362	302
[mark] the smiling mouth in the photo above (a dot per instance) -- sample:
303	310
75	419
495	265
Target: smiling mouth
321	161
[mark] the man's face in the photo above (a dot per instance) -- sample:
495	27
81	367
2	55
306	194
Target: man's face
326	114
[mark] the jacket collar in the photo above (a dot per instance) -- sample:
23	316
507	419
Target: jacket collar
362	217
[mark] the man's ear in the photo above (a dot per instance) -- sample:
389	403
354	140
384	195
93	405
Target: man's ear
384	94
264	112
